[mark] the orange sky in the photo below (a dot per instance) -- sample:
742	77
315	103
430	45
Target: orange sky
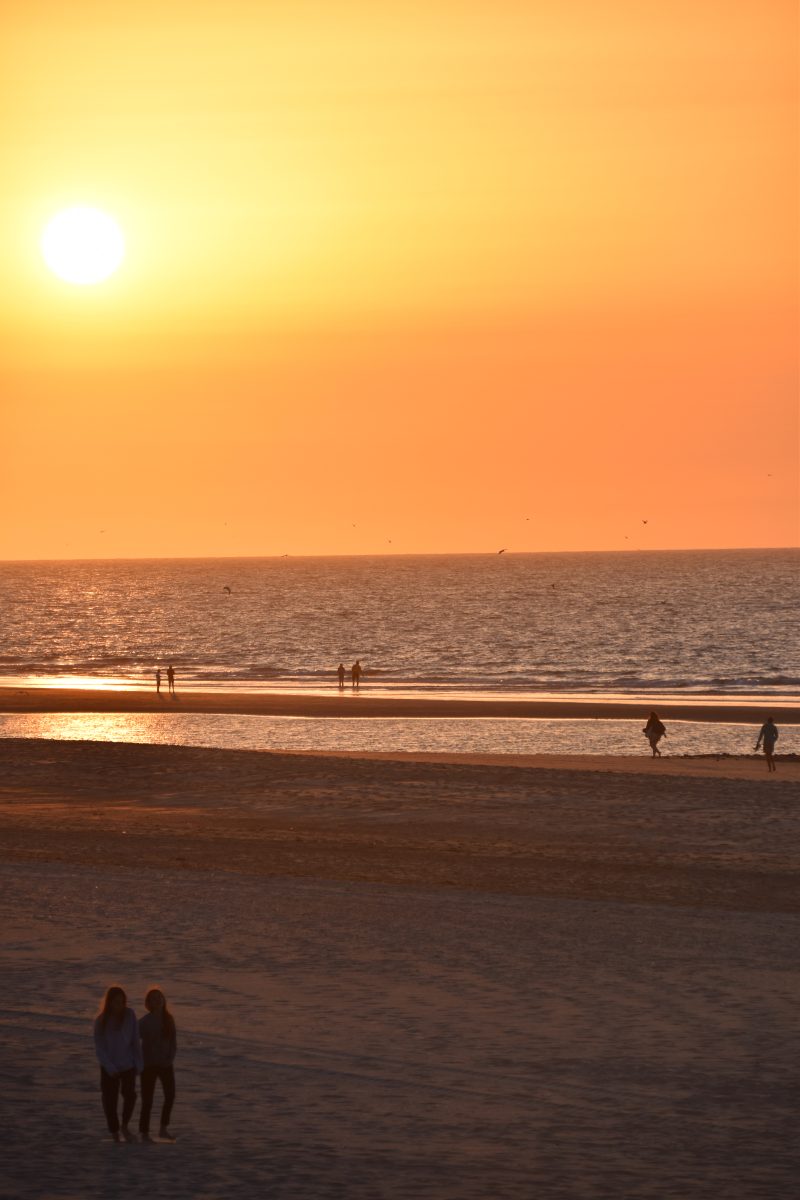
402	277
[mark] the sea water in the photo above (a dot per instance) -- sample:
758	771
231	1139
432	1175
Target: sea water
492	735
653	625
657	624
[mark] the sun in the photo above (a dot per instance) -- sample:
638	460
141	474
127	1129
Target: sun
82	245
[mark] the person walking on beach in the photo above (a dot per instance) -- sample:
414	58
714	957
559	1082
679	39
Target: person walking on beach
654	730
158	681
769	736
159	1044
340	672
356	672
116	1043
171	679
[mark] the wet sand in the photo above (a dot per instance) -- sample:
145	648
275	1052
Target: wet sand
362	704
406	976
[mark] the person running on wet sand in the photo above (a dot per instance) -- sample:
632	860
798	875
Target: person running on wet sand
171	679
654	731
159	1043
116	1043
769	736
340	672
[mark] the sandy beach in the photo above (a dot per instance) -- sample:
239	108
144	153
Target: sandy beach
349	703
406	977
399	601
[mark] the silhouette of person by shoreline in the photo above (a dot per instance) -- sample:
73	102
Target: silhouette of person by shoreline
356	672
171	679
158	681
769	736
159	1045
341	673
116	1043
654	730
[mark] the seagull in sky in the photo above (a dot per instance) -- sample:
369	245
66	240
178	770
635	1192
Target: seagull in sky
501	551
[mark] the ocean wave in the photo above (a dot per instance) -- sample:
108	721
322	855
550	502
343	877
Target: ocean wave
427	624
193	674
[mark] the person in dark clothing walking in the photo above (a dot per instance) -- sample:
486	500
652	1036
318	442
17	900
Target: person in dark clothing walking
116	1042
769	736
171	679
654	730
159	1044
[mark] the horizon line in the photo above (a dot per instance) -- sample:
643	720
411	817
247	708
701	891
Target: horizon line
403	554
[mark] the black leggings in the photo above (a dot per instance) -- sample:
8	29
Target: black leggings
110	1086
149	1077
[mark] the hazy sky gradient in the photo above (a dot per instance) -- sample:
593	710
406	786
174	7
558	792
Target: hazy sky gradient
403	277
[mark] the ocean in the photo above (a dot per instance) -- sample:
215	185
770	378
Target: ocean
656	624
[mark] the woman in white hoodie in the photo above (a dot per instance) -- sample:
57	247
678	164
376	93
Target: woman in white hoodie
116	1041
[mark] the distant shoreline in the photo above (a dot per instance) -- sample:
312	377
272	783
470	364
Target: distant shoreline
354	705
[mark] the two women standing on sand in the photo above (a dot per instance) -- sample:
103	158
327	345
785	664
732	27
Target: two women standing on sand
125	1048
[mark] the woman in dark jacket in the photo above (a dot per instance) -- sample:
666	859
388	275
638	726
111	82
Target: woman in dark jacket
159	1043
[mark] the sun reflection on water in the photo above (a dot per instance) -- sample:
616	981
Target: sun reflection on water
86	727
476	735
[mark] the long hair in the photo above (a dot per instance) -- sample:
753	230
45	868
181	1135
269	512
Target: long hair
167	1019
110	997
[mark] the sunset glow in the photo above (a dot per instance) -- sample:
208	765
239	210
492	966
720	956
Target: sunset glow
421	277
